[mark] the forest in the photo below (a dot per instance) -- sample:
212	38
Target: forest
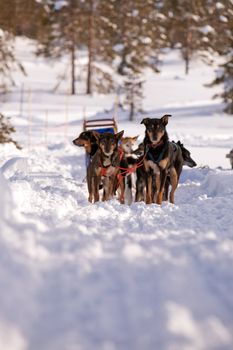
120	38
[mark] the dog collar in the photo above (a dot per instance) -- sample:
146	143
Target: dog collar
160	143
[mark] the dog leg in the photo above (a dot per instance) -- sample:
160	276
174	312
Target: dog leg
163	176
157	187
139	190
96	184
166	190
105	189
111	187
122	190
149	190
90	190
128	189
174	184
89	186
108	188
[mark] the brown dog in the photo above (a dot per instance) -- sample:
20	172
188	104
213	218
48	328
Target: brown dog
181	157
104	165
158	160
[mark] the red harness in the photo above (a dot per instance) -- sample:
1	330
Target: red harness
104	170
127	171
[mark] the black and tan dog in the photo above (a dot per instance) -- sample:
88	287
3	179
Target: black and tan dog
181	157
186	155
158	160
104	166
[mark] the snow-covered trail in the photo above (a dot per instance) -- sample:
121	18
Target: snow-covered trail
75	276
108	276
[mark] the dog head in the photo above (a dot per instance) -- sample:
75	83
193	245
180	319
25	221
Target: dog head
127	144
155	128
140	150
108	142
85	139
230	154
186	156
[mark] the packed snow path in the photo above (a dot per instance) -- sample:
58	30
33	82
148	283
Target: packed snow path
108	276
75	276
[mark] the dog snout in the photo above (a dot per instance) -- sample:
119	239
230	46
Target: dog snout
190	162
78	142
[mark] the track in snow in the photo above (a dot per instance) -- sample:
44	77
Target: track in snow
109	276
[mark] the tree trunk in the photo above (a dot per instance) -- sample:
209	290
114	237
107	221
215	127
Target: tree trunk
187	63
188	52
131	115
90	49
73	90
122	65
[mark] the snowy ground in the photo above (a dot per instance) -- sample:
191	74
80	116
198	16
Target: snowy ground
110	276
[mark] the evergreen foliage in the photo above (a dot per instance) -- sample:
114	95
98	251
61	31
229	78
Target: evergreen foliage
6	129
133	89
221	19
127	36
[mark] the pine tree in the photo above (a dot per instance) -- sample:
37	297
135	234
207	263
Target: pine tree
187	27
60	31
6	129
220	18
8	62
77	24
99	19
226	79
141	35
133	89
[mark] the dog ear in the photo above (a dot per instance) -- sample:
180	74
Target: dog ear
135	138
119	134
164	119
181	144
96	135
145	121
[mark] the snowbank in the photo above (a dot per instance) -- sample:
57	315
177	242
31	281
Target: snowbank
218	184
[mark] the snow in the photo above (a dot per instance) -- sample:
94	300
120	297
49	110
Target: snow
108	276
223	19
207	29
219	6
